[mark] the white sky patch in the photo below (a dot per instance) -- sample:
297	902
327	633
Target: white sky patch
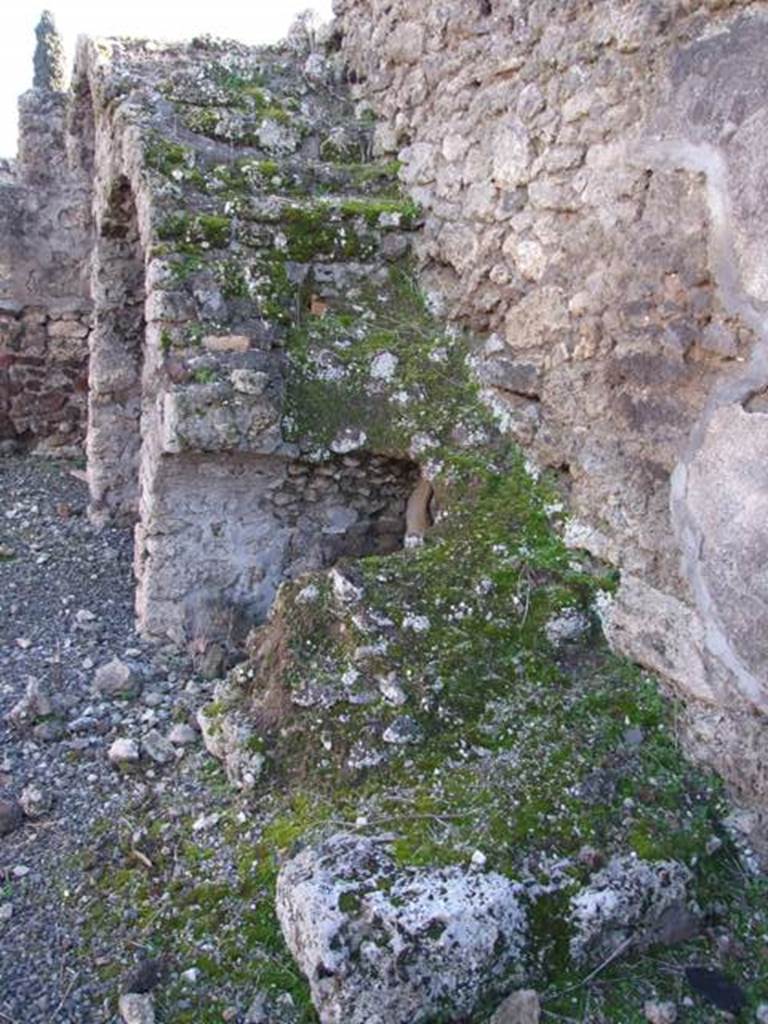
261	22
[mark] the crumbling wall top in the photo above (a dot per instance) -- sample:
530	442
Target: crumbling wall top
49	56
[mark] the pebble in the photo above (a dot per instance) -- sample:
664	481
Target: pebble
147	975
137	1008
258	1012
11	815
83	617
402	730
117	678
35	802
157	747
124	752
183	735
519	1008
33	705
660	1013
48	732
205	821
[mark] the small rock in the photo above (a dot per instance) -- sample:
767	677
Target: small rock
660	1013
391	690
82	724
402	730
383	366
6	912
713	986
48	732
84	618
631	902
344	589
258	1011
182	735
157	747
190	976
117	679
761	1014
520	1008
418	623
204	822
569	625
634	736
35	802
147	975
591	857
348	440
137	1008
124	752
11	815
228	735
35	704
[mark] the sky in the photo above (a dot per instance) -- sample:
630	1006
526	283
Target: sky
254	21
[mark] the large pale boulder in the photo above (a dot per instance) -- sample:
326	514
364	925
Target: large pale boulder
382	945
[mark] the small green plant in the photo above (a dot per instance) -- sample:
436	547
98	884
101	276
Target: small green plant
204	375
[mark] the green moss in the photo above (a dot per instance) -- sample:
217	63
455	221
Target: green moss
190	233
204	375
184	264
236	126
166	157
232	278
240	80
430	393
372	210
213	228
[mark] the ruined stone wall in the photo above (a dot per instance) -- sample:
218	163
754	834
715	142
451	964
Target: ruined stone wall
232	206
591	175
44	270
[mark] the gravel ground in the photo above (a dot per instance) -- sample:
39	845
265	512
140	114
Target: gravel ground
66	596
